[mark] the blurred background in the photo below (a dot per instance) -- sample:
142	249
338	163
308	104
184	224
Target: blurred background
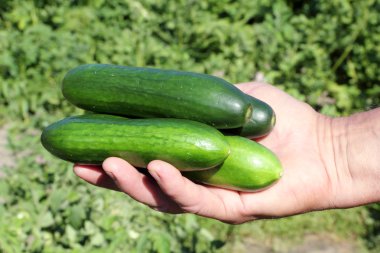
326	53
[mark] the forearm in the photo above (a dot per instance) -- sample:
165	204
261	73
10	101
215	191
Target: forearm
354	166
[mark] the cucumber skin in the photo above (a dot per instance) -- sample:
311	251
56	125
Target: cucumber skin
91	138
261	122
156	93
249	167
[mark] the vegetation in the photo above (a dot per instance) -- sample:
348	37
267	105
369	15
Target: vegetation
326	53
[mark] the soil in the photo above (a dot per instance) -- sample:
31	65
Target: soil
311	244
319	244
6	159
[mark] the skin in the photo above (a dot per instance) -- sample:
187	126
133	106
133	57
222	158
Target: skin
328	163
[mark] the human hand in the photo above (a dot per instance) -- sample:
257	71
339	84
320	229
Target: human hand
299	139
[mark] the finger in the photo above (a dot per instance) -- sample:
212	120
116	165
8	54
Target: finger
189	196
138	186
249	87
95	176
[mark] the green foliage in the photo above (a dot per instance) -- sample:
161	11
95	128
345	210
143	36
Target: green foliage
373	231
326	53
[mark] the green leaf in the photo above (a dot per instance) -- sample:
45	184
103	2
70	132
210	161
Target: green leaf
97	240
76	216
217	244
90	228
142	244
57	199
71	234
45	220
162	242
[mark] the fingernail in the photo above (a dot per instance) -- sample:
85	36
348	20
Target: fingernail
79	170
154	174
109	168
111	175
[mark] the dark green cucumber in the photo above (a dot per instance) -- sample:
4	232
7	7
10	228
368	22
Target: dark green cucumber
259	124
90	139
249	167
156	93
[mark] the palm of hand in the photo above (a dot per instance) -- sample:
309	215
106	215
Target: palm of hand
294	140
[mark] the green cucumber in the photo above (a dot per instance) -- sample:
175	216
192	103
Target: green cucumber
249	167
259	124
90	139
156	93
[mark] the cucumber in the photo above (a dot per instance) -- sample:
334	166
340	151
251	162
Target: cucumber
91	138
156	93
249	167
259	124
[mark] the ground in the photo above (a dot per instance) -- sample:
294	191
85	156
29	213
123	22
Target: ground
310	244
5	154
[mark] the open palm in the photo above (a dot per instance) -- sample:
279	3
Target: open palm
295	139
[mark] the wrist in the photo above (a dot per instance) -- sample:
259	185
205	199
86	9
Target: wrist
363	155
350	149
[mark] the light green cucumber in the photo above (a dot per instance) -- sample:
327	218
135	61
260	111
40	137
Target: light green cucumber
249	167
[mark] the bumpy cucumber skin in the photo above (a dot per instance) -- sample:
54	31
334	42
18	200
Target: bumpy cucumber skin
156	93
260	123
249	167
90	139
